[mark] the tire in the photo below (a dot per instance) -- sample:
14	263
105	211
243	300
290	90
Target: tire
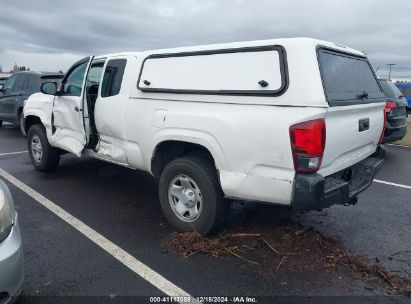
195	181
21	124
47	157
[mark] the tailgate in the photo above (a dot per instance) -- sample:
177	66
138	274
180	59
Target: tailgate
355	117
348	139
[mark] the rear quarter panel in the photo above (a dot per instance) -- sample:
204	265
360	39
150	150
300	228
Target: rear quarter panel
250	143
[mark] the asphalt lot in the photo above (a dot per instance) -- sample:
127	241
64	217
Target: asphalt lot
122	205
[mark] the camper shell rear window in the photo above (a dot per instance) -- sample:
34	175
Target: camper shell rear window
348	79
256	71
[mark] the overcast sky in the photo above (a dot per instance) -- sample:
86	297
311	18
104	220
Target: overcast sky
52	34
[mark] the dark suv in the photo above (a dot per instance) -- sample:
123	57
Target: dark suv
2	80
16	90
396	112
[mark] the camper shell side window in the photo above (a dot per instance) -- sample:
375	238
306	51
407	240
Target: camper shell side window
113	77
249	71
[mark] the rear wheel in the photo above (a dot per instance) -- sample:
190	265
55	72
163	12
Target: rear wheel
190	195
43	156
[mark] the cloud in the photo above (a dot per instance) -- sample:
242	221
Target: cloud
32	32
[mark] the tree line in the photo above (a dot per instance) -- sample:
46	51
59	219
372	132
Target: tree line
16	68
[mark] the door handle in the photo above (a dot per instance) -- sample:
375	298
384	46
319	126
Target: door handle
363	124
77	109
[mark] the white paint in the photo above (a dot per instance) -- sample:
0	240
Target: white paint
119	254
392	184
41	106
12	153
159	118
108	114
248	136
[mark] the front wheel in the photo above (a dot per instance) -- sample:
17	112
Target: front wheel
21	124
190	195
43	156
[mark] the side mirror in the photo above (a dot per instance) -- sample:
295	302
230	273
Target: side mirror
49	88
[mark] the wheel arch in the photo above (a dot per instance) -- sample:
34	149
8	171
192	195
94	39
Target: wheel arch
169	149
30	120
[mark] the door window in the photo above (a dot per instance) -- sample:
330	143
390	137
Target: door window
73	83
19	83
113	77
32	84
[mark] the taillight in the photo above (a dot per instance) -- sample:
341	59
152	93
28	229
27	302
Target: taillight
387	109
389	106
307	145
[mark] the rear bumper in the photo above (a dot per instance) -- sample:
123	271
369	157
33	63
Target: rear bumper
314	192
395	135
396	126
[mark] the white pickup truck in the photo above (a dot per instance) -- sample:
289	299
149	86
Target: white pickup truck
295	122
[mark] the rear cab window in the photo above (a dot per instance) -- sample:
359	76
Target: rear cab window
348	79
113	77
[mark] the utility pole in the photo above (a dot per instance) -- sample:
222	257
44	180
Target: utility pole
390	65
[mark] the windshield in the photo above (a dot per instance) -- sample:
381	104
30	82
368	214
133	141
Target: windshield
9	82
348	79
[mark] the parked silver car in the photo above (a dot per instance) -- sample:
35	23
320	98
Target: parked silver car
11	250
